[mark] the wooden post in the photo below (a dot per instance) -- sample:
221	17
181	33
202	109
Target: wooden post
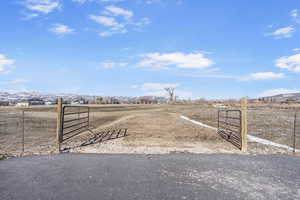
23	132
59	123
295	127
244	105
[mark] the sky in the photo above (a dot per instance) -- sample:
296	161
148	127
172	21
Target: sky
213	49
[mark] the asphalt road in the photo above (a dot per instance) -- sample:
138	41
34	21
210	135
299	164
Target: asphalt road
143	177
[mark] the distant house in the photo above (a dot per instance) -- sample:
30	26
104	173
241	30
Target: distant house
29	102
219	106
22	104
78	102
289	101
4	103
36	101
147	101
50	103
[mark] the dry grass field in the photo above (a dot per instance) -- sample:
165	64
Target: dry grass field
151	129
271	122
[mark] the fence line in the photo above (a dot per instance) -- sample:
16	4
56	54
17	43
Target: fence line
29	131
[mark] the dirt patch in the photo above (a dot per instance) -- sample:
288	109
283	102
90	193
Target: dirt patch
151	129
160	132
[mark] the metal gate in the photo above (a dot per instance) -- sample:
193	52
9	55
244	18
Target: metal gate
74	120
230	126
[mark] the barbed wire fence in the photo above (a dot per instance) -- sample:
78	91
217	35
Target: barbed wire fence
27	132
33	131
30	131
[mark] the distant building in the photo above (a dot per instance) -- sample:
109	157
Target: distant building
22	104
36	101
4	103
219	106
289	101
50	103
147	101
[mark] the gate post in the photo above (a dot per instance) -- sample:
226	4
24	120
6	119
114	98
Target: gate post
59	122
295	129
244	105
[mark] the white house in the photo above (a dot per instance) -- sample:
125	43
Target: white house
22	104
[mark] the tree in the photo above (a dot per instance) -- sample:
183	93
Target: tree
171	92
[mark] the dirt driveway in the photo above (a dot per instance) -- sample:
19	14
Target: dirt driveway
155	132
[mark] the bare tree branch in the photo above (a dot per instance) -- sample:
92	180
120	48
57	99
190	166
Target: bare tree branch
170	91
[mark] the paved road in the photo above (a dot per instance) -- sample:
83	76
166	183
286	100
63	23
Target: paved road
127	177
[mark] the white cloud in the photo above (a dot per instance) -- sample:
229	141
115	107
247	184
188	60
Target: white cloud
61	29
30	16
114	26
177	59
264	76
110	64
106	21
42	6
296	49
5	63
118	20
278	91
284	32
117	11
291	63
295	15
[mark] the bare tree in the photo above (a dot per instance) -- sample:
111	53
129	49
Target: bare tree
171	92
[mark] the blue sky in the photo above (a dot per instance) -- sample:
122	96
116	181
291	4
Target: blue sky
206	49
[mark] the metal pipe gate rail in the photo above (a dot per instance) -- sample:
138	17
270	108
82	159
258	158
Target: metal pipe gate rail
71	121
230	126
233	125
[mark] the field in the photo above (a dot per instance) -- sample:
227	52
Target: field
150	129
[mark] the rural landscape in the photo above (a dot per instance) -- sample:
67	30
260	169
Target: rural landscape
150	128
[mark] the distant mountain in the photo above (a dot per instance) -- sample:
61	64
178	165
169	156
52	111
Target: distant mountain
283	97
17	96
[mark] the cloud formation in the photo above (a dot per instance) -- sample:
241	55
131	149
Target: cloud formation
284	32
295	15
117	11
61	29
176	59
118	21
42	6
290	63
264	76
5	63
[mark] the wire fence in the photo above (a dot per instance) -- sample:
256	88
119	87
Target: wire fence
279	125
34	131
27	132
276	125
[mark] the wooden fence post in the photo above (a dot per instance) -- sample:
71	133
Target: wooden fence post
59	122
244	105
295	129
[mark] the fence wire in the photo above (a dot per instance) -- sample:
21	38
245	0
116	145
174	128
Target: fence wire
35	131
276	125
27	132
